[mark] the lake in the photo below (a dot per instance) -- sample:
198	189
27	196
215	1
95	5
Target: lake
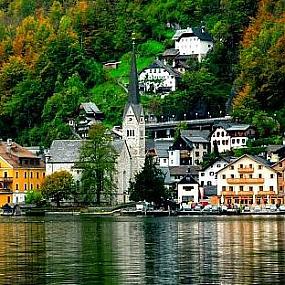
70	250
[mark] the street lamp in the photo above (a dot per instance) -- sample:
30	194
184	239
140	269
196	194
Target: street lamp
196	115
161	118
173	117
184	117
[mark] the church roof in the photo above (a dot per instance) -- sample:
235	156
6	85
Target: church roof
198	32
133	89
65	151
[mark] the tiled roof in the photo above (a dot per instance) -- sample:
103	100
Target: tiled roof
162	146
90	108
183	169
65	151
13	152
198	32
159	64
188	179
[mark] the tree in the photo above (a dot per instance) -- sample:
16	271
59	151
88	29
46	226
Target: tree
97	161
148	184
33	197
58	186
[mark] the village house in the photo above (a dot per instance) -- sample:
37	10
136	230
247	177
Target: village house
20	171
280	168
87	115
188	150
231	136
188	190
248	180
159	78
189	43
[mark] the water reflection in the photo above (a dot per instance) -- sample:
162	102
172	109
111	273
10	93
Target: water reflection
142	250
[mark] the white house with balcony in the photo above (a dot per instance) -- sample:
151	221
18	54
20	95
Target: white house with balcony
231	136
159	78
247	180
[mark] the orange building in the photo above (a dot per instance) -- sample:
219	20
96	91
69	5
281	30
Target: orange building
20	171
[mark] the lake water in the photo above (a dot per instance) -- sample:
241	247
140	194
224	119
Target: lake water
142	250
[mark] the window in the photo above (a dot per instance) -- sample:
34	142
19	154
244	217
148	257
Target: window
17	187
25	175
271	175
233	141
218	134
31	187
38	174
38	186
241	166
232	167
260	188
259	166
250	175
231	188
197	153
237	140
164	160
271	188
224	176
250	165
25	187
243	141
17	174
241	176
204	146
218	165
250	188
202	183
212	173
224	188
209	183
31	174
232	176
202	173
240	188
44	175
259	175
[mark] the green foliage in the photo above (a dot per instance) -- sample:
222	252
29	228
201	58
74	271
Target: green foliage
33	197
58	186
148	184
97	161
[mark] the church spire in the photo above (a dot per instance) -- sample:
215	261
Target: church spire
133	90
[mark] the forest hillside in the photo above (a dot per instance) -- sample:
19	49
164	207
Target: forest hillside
52	55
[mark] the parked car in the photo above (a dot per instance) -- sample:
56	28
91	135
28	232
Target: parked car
197	208
216	209
246	209
281	208
257	208
273	208
207	208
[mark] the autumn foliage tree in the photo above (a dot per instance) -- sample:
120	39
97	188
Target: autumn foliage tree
58	186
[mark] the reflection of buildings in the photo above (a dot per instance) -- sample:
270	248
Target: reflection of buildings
22	251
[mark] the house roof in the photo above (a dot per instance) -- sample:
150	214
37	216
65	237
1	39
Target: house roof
275	148
198	32
90	108
188	179
196	133
159	64
255	158
183	169
210	190
196	139
65	151
170	52
162	146
13	152
238	127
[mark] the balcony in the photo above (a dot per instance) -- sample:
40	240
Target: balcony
5	190
245	193
245	170
245	180
265	193
6	179
228	193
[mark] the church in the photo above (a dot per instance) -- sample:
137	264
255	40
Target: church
131	145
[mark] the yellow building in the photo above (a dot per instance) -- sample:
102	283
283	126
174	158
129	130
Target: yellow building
20	171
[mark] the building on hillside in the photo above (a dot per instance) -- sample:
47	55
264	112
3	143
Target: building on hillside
248	180
20	171
63	155
280	168
231	136
162	146
188	150
188	190
189	43
274	153
159	78
87	115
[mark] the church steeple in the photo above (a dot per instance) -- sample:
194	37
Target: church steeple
133	90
